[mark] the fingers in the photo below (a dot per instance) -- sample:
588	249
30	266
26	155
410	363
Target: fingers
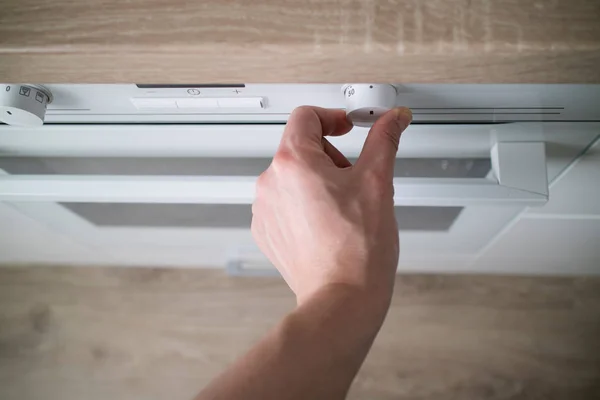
336	156
307	126
381	146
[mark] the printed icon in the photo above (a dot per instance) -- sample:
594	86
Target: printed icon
39	97
193	92
24	91
8	88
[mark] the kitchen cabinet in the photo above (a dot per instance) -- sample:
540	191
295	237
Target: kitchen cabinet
127	176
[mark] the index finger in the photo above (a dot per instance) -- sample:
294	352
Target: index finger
307	125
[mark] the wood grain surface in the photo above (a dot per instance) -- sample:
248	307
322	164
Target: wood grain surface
108	333
180	41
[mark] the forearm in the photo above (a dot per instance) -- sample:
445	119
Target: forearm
315	352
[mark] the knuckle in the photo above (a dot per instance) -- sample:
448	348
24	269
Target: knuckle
283	156
284	161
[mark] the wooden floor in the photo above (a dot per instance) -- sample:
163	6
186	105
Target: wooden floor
97	334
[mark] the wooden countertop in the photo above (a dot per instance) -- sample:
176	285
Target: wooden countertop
178	41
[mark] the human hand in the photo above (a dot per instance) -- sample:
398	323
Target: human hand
323	221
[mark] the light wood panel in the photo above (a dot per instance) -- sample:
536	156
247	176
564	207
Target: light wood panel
298	41
107	333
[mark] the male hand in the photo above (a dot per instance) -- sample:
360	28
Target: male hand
323	221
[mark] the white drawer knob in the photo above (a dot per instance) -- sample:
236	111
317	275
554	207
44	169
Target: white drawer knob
23	104
366	102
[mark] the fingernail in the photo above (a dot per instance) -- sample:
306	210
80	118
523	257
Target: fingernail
404	115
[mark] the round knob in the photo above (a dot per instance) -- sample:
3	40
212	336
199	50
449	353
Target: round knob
23	104
366	102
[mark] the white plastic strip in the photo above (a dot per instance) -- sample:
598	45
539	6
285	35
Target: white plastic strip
238	190
232	140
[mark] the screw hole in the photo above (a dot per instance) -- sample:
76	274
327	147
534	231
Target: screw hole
9	113
371	112
371	87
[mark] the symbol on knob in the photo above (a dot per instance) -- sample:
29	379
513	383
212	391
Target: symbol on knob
24	91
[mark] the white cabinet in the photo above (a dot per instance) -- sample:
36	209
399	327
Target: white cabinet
106	183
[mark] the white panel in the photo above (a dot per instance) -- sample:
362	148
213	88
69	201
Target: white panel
150	104
430	102
577	192
157	103
546	246
472	230
466	236
197	103
240	102
24	240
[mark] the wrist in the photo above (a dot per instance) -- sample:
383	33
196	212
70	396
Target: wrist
369	303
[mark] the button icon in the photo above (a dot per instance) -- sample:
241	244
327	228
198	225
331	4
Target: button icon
24	91
193	92
39	97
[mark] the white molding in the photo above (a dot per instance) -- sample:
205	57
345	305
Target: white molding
519	168
111	103
237	190
243	140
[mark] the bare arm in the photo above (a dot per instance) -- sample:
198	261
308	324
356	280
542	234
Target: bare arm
329	228
314	353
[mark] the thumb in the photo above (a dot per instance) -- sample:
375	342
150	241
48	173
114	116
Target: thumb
379	152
